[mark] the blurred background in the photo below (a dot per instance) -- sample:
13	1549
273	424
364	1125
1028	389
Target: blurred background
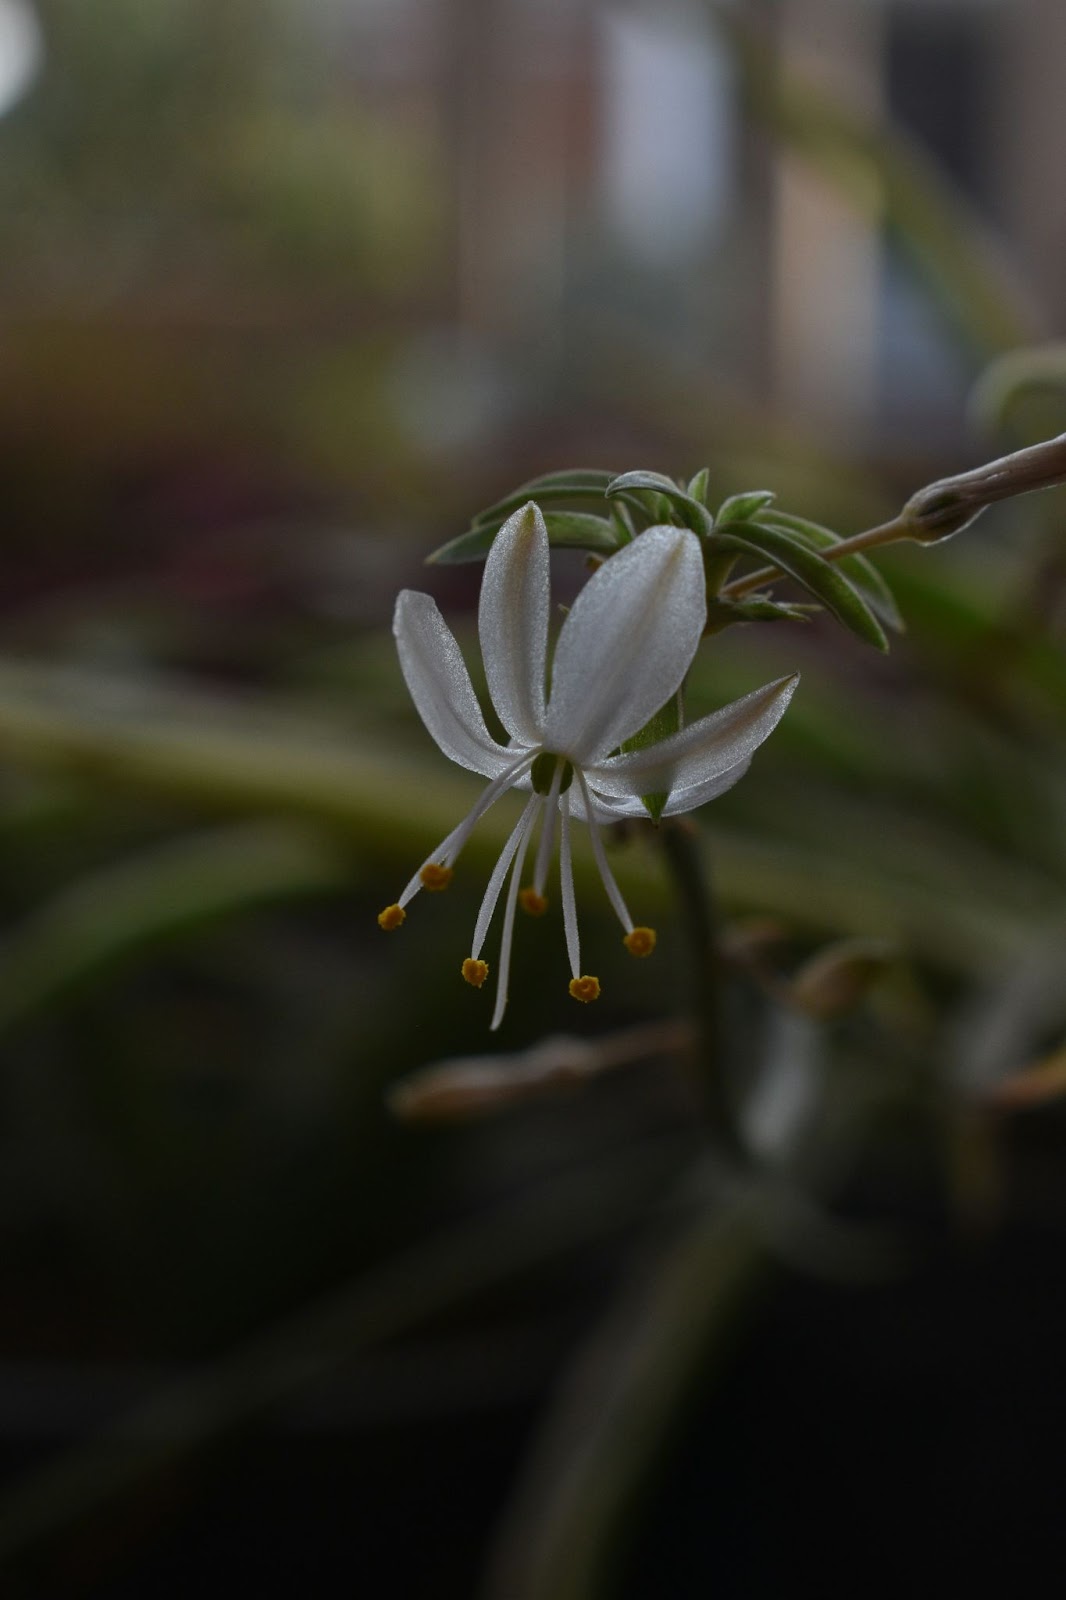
288	290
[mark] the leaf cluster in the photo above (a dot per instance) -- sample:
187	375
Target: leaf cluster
750	545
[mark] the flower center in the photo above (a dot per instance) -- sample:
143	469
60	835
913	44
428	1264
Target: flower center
543	771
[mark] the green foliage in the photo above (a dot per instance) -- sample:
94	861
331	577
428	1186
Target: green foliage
741	507
795	557
665	500
859	569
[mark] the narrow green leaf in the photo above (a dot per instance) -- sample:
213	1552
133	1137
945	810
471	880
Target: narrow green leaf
867	578
698	486
575	483
567	530
799	561
694	515
723	613
740	507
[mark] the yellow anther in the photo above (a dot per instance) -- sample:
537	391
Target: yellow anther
640	941
433	876
391	917
532	903
585	988
475	972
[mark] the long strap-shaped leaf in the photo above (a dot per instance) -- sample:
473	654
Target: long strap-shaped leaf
796	558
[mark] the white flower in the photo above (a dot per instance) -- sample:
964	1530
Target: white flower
623	651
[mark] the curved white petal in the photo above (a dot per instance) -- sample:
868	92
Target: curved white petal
699	753
622	808
440	686
698	794
627	643
513	622
603	810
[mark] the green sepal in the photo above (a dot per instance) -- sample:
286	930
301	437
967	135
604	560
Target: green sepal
567	530
742	507
667	720
869	581
796	558
692	513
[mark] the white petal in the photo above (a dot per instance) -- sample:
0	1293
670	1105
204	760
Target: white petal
513	622
700	752
605	811
614	808
698	794
627	643
440	685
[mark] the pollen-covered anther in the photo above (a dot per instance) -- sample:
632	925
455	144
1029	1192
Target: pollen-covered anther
475	972
640	941
532	903
392	917
585	988
434	876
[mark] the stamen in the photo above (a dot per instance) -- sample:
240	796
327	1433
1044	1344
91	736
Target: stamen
547	832
585	988
392	917
640	941
499	873
435	876
614	894
566	884
532	903
509	911
447	852
475	972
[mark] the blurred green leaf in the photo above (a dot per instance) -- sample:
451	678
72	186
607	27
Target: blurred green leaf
740	507
123	912
699	485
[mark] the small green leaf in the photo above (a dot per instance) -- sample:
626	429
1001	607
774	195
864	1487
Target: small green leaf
576	483
753	608
864	575
567	530
693	515
667	720
698	485
793	556
740	507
